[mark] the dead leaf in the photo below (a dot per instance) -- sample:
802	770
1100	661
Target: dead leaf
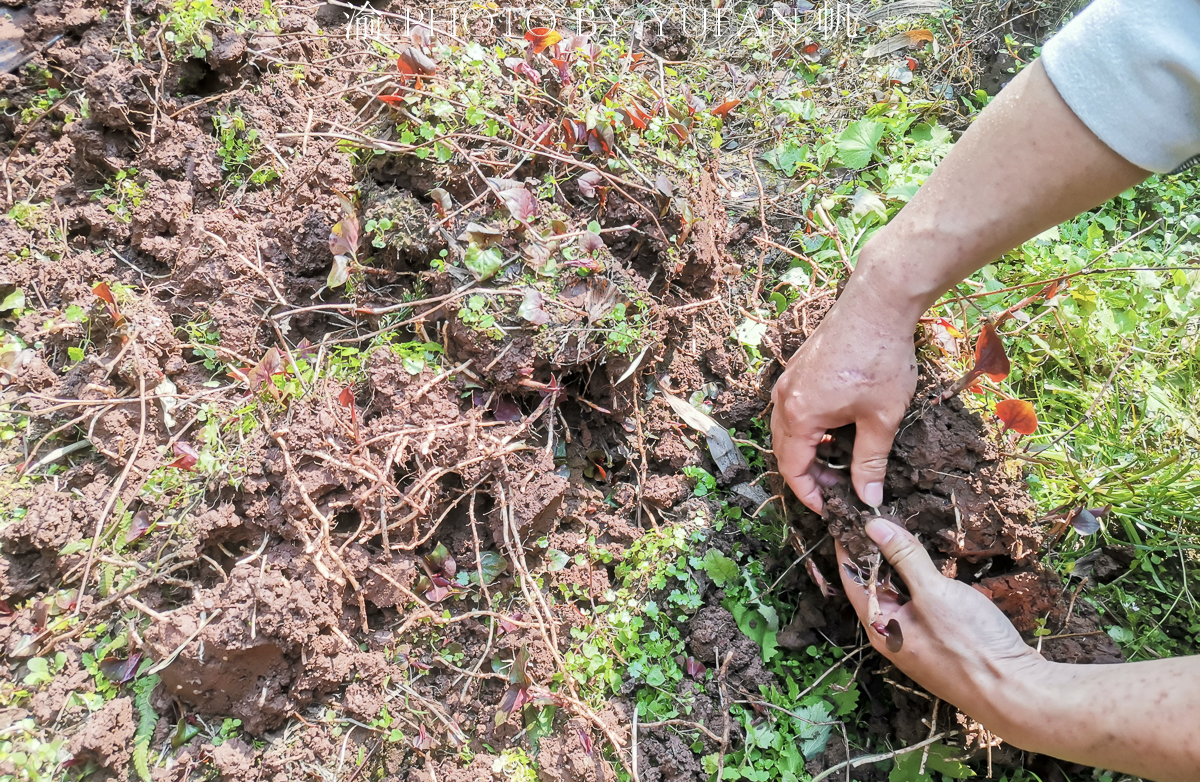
482	236
664	186
898	42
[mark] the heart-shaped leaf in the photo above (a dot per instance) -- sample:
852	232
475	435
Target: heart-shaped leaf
138	526
990	358
541	37
187	456
483	263
588	183
531	308
1017	415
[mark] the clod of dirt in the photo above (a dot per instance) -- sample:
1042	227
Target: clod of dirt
107	737
234	759
948	483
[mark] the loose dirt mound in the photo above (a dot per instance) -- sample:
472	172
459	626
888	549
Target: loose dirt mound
400	501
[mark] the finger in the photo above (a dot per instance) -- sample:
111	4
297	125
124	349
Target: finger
905	553
826	477
872	443
794	455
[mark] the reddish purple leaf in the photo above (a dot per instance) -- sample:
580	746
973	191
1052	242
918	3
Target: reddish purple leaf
507	627
590	242
895	638
522	68
588	183
305	350
694	668
138	526
423	741
519	673
521	204
418	62
343	237
585	741
120	671
187	456
438	594
506	410
1085	520
346	397
531	308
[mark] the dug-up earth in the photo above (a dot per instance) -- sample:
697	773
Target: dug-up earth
364	516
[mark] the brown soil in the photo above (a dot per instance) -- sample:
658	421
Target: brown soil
541	435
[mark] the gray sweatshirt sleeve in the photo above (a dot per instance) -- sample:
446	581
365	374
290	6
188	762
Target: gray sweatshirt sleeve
1130	70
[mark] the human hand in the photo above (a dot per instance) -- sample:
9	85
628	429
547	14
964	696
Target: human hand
956	642
858	367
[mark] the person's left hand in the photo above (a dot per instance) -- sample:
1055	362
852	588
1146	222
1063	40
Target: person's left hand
956	642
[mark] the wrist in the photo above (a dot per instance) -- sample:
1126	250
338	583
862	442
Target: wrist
1021	696
907	265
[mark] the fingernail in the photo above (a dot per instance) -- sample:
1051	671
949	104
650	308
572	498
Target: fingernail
880	531
873	494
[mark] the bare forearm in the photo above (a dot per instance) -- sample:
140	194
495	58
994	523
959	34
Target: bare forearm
1025	165
1137	718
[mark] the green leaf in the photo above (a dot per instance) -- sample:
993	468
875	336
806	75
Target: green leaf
75	354
444	152
720	568
75	314
492	565
483	263
787	157
750	332
13	301
796	277
941	759
798	109
556	560
859	142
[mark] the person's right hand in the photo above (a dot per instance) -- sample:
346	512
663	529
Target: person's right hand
858	367
956	642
